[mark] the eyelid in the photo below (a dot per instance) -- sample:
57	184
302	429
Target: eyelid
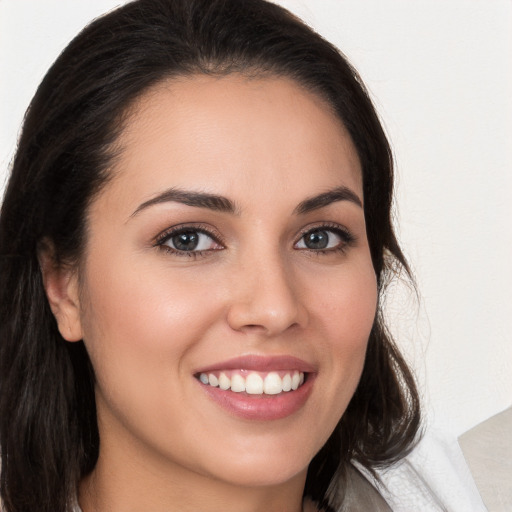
327	226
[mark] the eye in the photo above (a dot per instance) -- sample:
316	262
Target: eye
188	240
325	238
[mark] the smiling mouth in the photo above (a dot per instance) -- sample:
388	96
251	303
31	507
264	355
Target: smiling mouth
250	382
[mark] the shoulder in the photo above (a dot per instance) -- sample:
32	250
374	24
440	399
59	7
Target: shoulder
488	451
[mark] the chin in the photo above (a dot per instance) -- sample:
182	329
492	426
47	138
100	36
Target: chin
263	463
265	473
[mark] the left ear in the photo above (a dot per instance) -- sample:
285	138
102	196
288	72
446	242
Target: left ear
61	286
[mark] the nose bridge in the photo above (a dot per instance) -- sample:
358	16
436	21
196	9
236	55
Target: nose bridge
266	294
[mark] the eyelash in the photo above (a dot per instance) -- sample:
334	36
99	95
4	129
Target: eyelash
347	239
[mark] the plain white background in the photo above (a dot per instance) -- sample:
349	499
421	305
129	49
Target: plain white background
441	78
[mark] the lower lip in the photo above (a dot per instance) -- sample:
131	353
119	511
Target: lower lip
261	407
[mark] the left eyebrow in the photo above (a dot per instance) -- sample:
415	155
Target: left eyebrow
325	199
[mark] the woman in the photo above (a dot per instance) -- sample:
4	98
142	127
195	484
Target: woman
194	241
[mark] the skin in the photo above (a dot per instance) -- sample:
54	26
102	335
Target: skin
150	318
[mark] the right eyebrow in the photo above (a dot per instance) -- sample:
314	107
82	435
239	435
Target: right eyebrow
190	198
331	196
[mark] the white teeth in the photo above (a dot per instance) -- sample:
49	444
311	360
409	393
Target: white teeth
295	380
237	383
287	382
224	382
272	385
254	383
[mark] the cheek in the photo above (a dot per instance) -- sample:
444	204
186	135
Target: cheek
346	306
143	306
344	318
139	326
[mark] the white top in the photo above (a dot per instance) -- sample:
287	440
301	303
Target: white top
433	477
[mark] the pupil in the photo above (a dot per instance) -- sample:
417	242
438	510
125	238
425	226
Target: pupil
186	241
317	240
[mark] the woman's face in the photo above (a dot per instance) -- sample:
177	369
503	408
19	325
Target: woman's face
228	250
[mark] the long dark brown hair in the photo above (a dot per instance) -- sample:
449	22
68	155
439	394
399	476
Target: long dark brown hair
48	431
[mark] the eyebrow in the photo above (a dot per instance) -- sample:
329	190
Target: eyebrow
191	198
325	199
223	204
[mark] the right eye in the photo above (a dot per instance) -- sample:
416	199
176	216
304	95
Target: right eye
190	241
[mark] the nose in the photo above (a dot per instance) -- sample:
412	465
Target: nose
265	298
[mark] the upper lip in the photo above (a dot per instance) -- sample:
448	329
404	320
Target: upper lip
260	363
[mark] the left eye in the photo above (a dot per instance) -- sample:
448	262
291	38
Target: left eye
190	240
320	239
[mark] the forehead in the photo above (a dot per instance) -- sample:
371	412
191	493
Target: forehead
232	134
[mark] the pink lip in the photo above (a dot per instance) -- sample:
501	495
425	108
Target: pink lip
260	364
261	407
